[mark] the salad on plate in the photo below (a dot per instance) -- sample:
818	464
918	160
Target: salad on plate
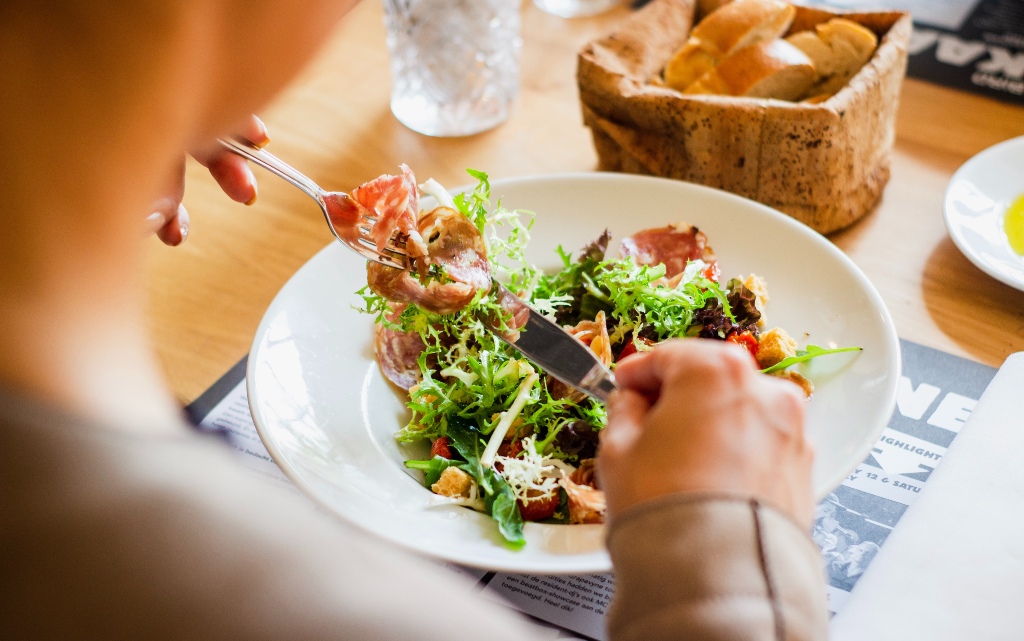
505	438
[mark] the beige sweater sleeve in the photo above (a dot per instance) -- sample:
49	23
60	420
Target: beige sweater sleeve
714	569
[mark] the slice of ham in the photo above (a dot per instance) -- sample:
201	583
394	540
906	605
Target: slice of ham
389	203
673	246
398	355
453	243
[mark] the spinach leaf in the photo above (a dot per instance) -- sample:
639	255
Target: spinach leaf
467	441
498	496
504	509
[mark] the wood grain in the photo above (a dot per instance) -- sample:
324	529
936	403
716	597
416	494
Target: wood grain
207	296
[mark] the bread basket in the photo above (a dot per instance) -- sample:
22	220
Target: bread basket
824	164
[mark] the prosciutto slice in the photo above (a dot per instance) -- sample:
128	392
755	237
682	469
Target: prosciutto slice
390	204
673	246
454	244
398	354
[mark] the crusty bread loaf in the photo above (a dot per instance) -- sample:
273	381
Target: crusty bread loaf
773	69
824	164
731	27
838	49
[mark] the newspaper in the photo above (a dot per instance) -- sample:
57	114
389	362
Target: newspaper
975	45
936	395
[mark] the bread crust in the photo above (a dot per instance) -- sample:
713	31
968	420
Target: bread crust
768	69
824	164
735	25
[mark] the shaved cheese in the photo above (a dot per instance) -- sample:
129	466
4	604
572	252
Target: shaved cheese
433	188
509	415
531	475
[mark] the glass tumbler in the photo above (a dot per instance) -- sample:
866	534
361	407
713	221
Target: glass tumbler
454	63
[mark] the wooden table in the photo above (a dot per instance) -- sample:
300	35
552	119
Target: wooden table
207	297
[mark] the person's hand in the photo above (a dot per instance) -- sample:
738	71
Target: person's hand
695	416
169	219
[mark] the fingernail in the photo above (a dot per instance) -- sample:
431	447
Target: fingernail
183	222
264	138
255	187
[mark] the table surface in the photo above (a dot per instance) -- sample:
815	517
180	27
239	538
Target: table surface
206	298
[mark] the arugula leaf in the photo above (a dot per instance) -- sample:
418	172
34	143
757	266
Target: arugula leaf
432	468
802	355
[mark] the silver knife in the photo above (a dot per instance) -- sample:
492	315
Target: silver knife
559	353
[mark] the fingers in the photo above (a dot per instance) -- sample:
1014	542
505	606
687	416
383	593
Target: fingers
647	373
639	373
175	231
169	222
626	412
232	172
168	218
254	131
233	175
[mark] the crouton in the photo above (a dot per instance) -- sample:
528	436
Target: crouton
757	285
774	346
796	377
453	482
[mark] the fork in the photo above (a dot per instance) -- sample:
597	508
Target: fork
557	352
393	255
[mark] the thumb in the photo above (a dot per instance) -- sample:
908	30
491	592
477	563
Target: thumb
626	412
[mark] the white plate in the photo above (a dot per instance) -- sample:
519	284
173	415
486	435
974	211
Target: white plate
976	201
327	415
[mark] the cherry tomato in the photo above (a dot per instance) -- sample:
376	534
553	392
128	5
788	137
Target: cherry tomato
441	448
511	449
746	339
631	349
540	508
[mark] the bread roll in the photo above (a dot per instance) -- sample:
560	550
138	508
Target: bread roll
774	69
838	49
729	28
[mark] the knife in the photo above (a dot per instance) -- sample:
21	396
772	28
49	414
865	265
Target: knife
559	353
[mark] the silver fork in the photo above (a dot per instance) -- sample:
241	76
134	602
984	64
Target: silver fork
556	351
362	243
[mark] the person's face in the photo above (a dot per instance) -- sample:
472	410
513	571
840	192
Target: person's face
824	510
860	556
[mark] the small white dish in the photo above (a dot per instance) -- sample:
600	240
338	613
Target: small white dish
976	200
327	415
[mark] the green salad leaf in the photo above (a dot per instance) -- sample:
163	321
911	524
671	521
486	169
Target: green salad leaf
432	468
470	378
806	354
499	499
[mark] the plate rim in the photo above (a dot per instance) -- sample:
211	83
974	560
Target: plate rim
888	406
959	241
